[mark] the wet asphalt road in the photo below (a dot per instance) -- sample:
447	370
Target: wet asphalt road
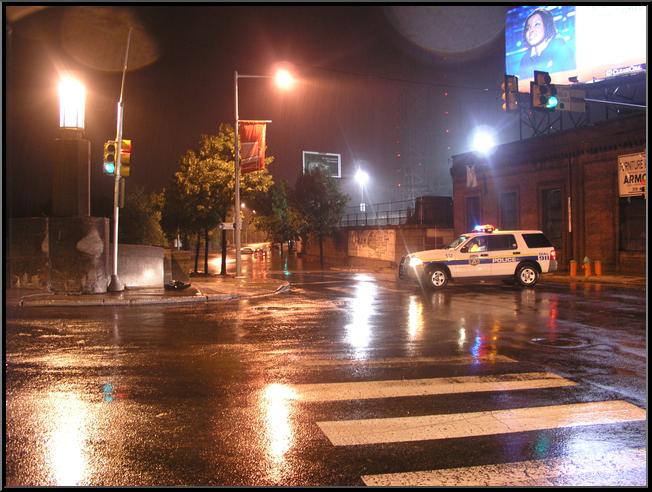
202	394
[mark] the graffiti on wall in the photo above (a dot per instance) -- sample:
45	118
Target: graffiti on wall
376	244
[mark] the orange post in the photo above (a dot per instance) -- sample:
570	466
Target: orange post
598	267
587	269
573	268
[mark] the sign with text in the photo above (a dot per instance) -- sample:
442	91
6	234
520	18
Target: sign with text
330	164
631	174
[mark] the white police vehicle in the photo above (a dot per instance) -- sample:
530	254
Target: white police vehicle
484	253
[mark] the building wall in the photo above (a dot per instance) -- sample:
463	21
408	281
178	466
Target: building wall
384	244
582	164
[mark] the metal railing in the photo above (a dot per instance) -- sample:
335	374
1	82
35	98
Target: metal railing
387	213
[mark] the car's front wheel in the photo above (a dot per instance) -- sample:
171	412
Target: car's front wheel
436	278
527	275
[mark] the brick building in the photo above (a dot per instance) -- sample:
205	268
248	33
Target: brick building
566	184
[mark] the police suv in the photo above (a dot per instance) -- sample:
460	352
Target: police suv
484	253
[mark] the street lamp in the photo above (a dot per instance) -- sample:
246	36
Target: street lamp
483	141
71	177
362	177
72	102
284	80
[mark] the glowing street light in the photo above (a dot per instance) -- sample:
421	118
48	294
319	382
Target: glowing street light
72	104
284	80
483	141
362	178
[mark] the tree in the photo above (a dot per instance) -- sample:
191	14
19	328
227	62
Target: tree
282	222
321	203
176	213
204	187
140	218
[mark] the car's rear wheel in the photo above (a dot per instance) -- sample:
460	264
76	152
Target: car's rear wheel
527	275
436	278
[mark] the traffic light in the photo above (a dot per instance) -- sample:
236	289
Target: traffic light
125	157
510	92
108	164
543	94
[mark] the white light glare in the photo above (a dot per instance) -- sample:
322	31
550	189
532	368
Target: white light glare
483	142
284	79
361	177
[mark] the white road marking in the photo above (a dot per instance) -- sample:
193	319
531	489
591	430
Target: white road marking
389	361
421	428
628	465
434	386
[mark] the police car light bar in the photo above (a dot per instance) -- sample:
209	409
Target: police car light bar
484	228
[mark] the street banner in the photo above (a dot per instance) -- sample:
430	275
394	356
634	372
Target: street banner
252	145
631	174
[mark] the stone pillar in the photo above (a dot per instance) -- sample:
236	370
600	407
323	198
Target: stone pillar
28	260
79	254
71	177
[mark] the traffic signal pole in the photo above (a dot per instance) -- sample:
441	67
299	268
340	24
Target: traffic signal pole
115	284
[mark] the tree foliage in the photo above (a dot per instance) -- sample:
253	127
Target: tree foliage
202	191
282	221
140	218
321	203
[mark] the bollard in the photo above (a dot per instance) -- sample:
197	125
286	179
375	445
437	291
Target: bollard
598	267
573	268
587	266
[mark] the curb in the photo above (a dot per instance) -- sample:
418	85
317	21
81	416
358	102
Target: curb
143	301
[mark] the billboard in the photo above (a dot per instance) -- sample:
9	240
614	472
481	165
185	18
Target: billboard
331	164
590	42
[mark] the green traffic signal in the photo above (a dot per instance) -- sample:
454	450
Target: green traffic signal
108	165
552	102
109	168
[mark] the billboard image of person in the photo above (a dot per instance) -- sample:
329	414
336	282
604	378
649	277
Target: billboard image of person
540	38
585	42
546	50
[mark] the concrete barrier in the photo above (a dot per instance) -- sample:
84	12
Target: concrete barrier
139	266
61	254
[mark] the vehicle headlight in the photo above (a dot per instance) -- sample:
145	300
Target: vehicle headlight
414	262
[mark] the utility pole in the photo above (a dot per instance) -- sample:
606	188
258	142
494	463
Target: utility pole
116	285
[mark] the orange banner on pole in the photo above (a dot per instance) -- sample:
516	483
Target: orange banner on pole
252	145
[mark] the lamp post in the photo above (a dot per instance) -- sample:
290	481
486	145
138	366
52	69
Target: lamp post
71	178
284	80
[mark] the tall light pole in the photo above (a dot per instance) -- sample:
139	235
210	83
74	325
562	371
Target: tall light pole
116	285
284	80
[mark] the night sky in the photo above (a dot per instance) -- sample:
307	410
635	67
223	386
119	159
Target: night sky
397	90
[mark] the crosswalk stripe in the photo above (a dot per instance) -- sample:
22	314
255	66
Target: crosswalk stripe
388	361
421	428
432	386
583	471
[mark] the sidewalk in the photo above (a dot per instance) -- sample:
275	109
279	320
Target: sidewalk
610	279
202	289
